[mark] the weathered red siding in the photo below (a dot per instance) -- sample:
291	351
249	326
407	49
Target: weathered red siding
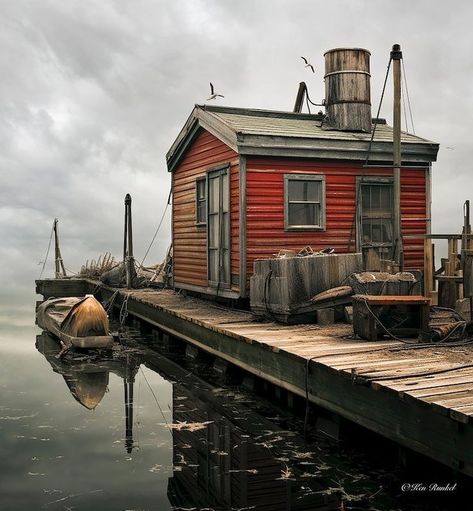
265	208
413	216
190	241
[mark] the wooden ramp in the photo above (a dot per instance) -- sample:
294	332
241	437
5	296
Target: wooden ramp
420	398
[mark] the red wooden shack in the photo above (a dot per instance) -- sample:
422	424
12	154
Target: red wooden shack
247	183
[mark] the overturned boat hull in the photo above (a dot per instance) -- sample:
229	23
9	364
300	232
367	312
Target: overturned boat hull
76	322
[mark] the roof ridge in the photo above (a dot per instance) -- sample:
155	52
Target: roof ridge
260	112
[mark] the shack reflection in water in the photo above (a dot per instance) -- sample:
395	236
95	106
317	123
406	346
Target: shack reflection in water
225	456
219	465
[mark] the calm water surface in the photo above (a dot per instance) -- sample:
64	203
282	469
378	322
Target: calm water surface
143	430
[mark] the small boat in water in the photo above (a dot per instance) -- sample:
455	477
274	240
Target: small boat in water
76	322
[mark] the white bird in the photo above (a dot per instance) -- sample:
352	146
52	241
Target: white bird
213	94
308	64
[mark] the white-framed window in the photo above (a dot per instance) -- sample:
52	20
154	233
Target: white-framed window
201	201
304	202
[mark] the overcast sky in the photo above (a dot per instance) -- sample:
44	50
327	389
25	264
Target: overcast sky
93	93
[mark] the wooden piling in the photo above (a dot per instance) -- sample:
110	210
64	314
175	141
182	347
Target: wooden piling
128	258
396	56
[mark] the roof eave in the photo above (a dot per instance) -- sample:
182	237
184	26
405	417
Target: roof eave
381	151
198	119
414	152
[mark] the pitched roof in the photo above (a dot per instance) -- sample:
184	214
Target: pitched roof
288	134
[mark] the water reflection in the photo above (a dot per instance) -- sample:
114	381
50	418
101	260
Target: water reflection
225	466
224	455
87	376
87	381
227	454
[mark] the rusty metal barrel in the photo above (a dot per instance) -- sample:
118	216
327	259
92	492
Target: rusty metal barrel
347	89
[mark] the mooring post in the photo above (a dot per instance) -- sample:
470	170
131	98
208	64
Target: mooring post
128	243
130	230
125	234
396	56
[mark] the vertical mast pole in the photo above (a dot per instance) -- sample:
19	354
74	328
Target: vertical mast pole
396	56
56	251
58	262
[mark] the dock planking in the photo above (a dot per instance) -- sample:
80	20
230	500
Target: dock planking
420	398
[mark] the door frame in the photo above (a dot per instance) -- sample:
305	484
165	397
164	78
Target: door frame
360	180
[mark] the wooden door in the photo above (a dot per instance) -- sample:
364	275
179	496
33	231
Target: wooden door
376	222
218	222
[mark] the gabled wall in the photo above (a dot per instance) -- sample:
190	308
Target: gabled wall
190	240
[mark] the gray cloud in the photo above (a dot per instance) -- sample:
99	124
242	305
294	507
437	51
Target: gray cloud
93	93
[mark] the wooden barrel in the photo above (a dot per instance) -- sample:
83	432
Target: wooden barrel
347	89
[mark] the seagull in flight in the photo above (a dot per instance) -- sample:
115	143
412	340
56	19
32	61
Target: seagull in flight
308	64
213	94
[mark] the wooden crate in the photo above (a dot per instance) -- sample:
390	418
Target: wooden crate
402	316
282	287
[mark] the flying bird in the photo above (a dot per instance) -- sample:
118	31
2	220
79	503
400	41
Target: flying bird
308	64
213	94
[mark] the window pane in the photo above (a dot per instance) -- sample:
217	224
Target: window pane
213	231
201	189
201	212
225	192
201	201
366	232
377	231
365	197
300	190
225	230
375	196
213	195
304	214
386	197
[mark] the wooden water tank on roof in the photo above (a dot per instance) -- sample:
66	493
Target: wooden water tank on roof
347	89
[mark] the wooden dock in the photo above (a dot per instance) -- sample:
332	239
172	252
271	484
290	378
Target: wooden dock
420	398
